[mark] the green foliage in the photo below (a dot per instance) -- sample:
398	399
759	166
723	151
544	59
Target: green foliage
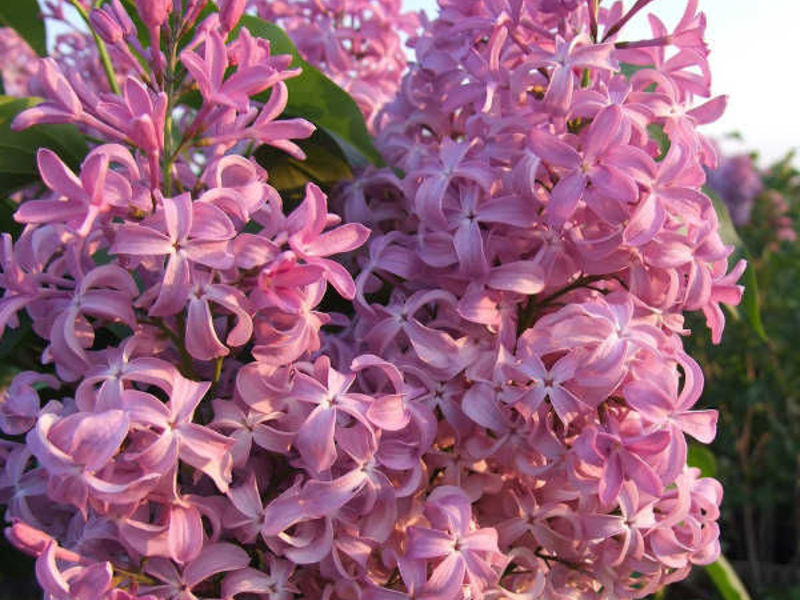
25	17
750	305
18	148
701	457
753	379
315	97
325	165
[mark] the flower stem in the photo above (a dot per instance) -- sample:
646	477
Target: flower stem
105	59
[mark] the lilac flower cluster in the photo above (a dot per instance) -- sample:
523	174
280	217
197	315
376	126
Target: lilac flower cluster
357	43
738	183
504	412
538	252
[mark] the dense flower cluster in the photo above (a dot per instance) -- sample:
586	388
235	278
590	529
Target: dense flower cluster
357	43
550	233
502	415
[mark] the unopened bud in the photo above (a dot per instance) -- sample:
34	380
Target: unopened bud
106	26
123	18
154	13
230	11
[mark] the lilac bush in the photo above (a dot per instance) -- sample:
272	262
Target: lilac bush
472	386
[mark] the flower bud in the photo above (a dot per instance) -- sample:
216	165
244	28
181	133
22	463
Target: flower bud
122	18
230	11
154	13
106	26
192	11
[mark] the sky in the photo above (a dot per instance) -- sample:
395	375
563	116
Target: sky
755	60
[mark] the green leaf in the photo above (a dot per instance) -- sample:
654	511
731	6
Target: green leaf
628	69
751	304
700	456
727	230
315	97
325	165
726	580
12	338
662	139
24	16
18	148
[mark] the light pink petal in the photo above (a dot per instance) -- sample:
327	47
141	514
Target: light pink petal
186	395
559	93
283	512
700	424
508	211
211	253
645	223
612	182
58	177
480	405
468	245
185	533
138	240
93	177
601	527
342	239
201	338
246	581
175	286
640	472
207	451
324	498
98	437
651	401
338	277
605	126
434	347
210	223
566	404
91	582
314	440
428	543
178	216
48	574
49	211
309	219
312	550
522	276
448	576
611	482
565	197
483	540
216	558
650	444
552	150
389	412
710	111
246	498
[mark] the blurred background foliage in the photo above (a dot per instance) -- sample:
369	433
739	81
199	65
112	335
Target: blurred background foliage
754	382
